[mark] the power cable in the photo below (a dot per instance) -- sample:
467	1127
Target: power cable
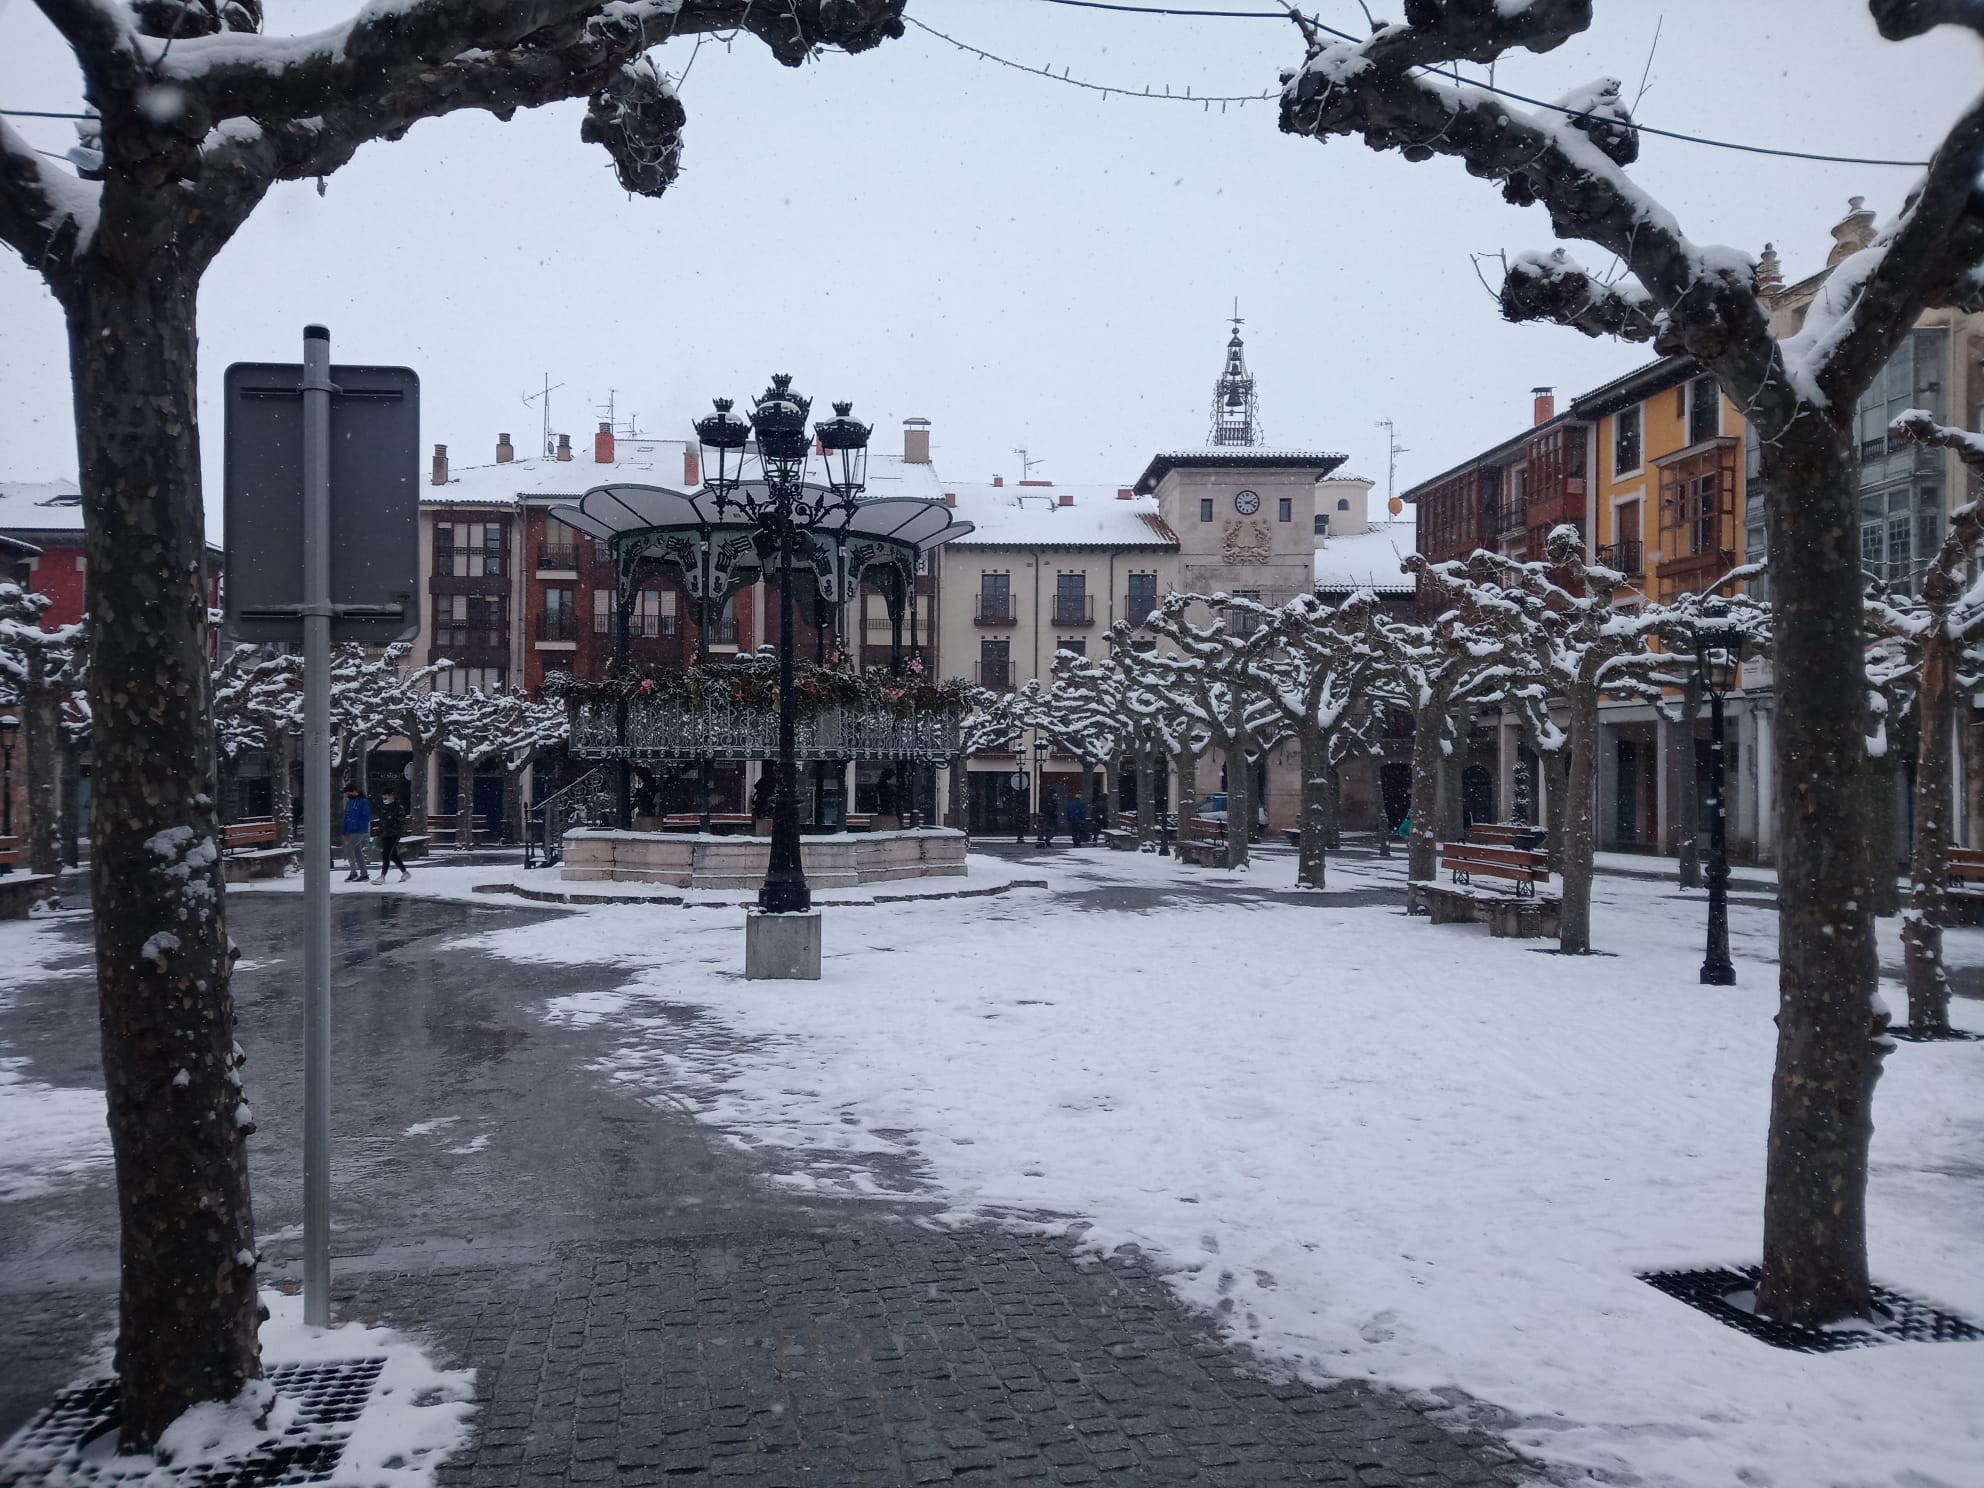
1175	12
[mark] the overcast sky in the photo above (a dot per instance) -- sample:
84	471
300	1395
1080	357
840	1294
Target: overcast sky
1019	261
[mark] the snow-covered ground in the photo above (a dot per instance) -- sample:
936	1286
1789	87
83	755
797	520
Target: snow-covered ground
1373	1146
49	1136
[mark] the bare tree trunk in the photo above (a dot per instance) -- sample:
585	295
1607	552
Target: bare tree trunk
41	724
1186	764
1146	794
1447	821
1829	1048
280	805
72	797
1884	826
465	803
1317	815
1928	906
1687	791
1575	850
956	814
188	1311
1427	762
1239	801
423	762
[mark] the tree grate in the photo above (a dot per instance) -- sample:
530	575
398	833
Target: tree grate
1953	1036
1902	1319
59	1443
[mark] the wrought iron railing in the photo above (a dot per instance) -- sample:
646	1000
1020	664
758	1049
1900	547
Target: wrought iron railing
995	609
670	729
557	625
1626	557
586	801
558	555
1074	609
996	675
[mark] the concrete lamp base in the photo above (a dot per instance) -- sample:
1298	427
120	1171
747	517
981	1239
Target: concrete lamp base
782	947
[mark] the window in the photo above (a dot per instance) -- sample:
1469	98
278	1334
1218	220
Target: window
1322	524
455	549
1343	503
1078	646
995	667
1900	530
1912	378
1698	513
1244	622
995	596
1285	509
1704	409
560	620
602	612
483	679
1142	599
654	613
560	548
1205	508
1626	440
1071	599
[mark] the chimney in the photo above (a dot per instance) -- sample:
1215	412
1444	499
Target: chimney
1124	493
1852	232
505	451
564	446
692	467
1067	498
602	445
1545	404
916	441
998	480
440	464
950	498
1770	273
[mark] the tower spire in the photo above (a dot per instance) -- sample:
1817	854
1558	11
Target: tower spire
1236	411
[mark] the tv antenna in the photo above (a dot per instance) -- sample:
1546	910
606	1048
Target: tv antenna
1393	449
543	399
1027	462
609	416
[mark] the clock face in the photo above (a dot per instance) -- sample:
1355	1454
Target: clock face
1247	503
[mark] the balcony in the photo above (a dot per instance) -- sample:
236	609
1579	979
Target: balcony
722	631
1627	557
995	676
1512	519
1073	610
1562	502
995	609
558	625
638	624
1138	604
559	557
458	641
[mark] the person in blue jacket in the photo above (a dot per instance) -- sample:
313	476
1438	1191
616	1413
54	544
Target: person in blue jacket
357	828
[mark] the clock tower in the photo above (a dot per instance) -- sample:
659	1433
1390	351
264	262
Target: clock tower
1236	410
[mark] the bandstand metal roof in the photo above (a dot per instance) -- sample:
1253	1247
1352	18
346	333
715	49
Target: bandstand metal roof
614	512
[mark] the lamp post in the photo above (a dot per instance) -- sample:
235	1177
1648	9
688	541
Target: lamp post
1039	799
9	726
1719	654
779	505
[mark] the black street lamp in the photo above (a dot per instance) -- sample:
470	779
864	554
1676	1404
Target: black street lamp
1039	793
1719	654
784	510
9	726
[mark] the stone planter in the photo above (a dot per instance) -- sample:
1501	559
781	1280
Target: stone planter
687	860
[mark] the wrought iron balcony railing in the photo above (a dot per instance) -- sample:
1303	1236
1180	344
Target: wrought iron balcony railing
557	625
996	609
1627	557
1073	609
996	675
563	556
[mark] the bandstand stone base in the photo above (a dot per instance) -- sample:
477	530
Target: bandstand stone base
782	947
688	860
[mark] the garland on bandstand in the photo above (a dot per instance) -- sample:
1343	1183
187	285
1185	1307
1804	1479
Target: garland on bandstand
752	683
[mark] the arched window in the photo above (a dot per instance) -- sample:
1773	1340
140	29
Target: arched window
1343	503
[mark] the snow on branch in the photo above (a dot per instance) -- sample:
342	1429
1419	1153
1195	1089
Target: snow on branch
1919	426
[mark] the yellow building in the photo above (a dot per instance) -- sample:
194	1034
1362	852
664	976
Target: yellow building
1668	477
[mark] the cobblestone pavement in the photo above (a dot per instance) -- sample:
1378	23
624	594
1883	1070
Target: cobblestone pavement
638	1307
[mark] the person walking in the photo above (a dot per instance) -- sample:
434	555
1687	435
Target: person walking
1077	820
392	826
1050	814
357	827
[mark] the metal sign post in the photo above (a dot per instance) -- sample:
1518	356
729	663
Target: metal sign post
296	438
316	610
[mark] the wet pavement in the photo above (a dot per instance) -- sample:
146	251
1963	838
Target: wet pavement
637	1303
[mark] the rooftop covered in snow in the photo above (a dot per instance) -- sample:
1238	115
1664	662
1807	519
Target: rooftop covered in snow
1053	516
41	506
1370	559
1244	456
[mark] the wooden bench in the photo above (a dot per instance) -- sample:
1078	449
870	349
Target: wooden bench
10	851
249	850
1520	912
444	828
1121	831
1965	865
1506	834
1203	843
692	821
247	834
